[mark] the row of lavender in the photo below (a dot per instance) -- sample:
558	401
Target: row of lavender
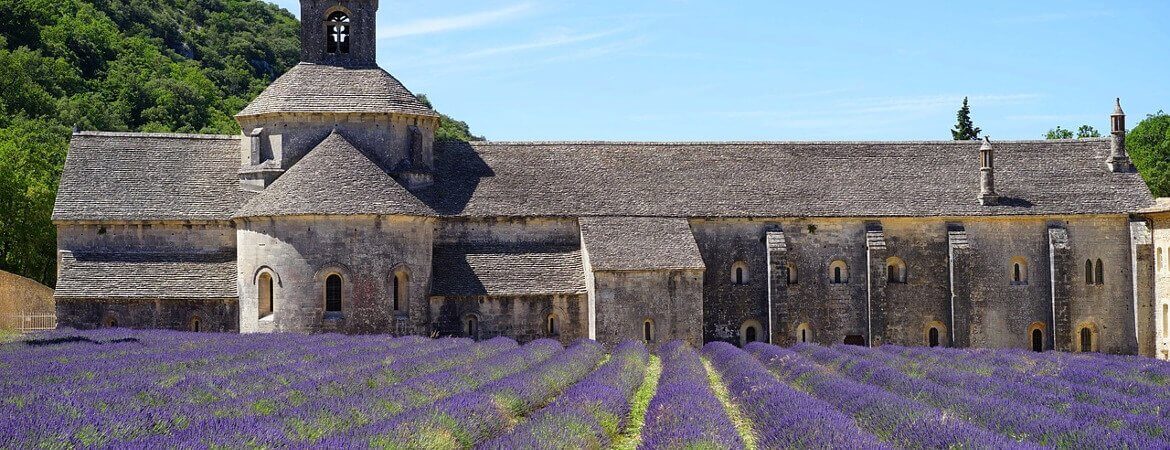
176	390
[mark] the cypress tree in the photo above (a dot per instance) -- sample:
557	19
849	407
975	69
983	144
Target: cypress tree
965	130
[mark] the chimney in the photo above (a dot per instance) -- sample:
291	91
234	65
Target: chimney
254	145
987	195
1118	158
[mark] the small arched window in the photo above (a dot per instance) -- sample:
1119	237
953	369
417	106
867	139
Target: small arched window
471	326
1159	265
895	270
551	325
793	276
1037	340
804	333
1166	319
333	293
399	289
337	33
1088	272
932	338
1019	270
838	272
1100	272
648	330
1086	340
935	334
265	295
739	273
749	332
196	325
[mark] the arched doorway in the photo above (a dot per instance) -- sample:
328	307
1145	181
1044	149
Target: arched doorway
932	338
1037	340
750	331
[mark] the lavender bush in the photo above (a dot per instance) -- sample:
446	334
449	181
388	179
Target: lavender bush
685	413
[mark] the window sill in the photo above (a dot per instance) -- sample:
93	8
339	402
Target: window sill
334	316
268	318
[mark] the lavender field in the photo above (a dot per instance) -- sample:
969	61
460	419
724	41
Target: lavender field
158	389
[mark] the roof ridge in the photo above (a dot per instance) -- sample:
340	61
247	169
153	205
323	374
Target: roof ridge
696	143
156	135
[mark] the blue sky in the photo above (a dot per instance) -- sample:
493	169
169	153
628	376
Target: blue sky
683	70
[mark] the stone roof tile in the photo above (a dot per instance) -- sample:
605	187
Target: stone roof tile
319	88
507	270
639	243
147	276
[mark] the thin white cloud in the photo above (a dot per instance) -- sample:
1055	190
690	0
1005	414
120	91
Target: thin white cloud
452	23
555	40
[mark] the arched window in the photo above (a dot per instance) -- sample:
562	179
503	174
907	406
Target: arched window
1019	270
1036	335
399	289
804	333
265	297
935	334
337	33
739	273
1087	337
838	272
1159	258
749	332
793	277
1088	272
1166	319
551	325
471	326
110	322
895	270
1100	272
648	330
333	293
196	324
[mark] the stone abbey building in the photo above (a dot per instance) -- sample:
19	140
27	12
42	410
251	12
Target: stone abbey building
334	210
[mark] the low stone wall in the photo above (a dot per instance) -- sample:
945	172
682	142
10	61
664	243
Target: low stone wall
23	301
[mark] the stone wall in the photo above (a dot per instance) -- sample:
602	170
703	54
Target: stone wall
1161	240
671	299
523	318
171	314
366	251
289	137
989	309
159	237
20	296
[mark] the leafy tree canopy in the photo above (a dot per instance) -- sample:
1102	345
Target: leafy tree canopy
1083	132
965	129
1149	148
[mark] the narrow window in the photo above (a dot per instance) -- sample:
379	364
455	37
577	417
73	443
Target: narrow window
792	275
932	337
1037	340
804	333
266	306
1019	270
838	272
1088	272
1100	272
1017	273
648	330
739	273
552	325
895	270
196	324
400	285
1165	319
1159	258
333	293
1086	339
473	326
337	33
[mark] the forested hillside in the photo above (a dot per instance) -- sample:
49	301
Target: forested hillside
121	65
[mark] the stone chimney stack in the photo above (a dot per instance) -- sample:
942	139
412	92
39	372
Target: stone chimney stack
1118	158
987	195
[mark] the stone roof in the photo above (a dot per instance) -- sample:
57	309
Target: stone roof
506	269
145	176
320	88
150	276
639	243
778	179
334	178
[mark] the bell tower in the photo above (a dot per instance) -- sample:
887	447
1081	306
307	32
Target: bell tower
339	32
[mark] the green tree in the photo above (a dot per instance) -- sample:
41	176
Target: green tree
1085	132
450	129
965	130
1149	148
1059	133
